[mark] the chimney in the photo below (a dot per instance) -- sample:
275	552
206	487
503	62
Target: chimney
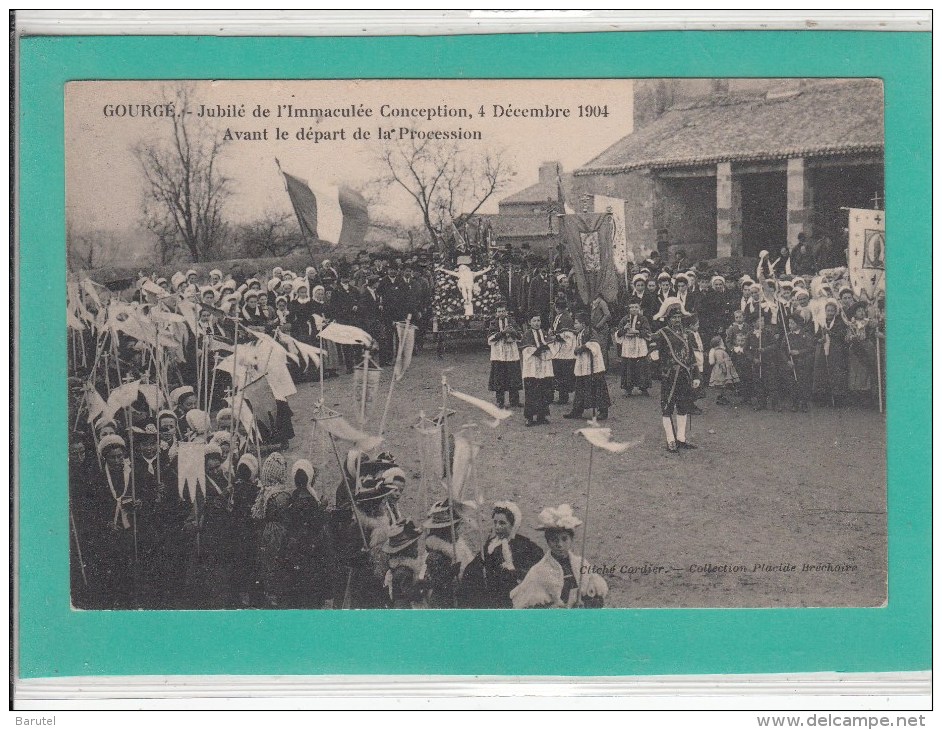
652	97
549	171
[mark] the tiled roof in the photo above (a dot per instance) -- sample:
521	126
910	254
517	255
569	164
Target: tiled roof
520	226
542	192
823	119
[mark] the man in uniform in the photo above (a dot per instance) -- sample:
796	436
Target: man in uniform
680	376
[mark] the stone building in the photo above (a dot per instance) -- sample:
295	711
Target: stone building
728	167
527	219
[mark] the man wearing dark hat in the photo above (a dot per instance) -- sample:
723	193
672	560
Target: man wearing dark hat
680	377
414	297
371	308
344	308
394	309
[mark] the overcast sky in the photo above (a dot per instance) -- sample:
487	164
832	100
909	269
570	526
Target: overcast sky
103	183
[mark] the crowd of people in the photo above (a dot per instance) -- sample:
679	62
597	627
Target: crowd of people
266	533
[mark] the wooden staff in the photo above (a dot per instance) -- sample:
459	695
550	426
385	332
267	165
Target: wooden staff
346	484
585	522
74	349
78	548
392	380
127	416
449	475
366	372
876	341
233	420
320	342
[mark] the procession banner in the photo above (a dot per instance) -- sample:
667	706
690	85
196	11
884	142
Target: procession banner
406	333
588	241
866	251
620	251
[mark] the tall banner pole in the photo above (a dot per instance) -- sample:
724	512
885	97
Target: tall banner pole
233	420
78	548
876	341
448	471
392	380
346	484
585	523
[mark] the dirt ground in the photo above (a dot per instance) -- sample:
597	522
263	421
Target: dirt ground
772	510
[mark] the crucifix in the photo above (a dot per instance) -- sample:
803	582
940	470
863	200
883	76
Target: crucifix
877	200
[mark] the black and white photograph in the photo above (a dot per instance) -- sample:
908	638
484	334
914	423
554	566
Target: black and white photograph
487	344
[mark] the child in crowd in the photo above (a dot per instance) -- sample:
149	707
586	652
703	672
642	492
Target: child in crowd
798	359
738	327
505	360
763	347
591	389
633	334
723	375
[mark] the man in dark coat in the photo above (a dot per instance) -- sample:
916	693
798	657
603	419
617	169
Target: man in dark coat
680	376
370	308
344	308
394	309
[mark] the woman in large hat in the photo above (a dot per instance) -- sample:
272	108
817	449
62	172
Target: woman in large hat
403	581
680	376
504	560
448	554
562	579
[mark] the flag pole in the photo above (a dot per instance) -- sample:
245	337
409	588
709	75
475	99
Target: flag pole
449	476
232	419
585	522
320	342
392	380
78	548
346	484
876	341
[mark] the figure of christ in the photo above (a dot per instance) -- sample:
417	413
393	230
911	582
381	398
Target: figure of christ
466	284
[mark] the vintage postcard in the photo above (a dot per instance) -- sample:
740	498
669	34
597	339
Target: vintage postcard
506	344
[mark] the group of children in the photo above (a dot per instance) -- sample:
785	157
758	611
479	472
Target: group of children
565	360
769	345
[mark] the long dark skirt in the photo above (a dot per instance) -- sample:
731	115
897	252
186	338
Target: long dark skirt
538	394
504	376
284	428
591	393
563	377
830	371
635	373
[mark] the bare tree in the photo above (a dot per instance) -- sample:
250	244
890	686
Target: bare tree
184	191
274	234
448	182
87	250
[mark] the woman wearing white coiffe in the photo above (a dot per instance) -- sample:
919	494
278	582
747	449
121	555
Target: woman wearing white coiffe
562	579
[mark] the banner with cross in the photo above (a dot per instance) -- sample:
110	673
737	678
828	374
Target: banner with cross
866	255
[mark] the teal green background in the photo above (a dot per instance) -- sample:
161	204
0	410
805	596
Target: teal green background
55	641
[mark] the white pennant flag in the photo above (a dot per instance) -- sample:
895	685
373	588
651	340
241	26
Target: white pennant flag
191	468
495	412
345	334
602	438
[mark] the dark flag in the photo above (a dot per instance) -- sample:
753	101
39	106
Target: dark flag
588	241
304	203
